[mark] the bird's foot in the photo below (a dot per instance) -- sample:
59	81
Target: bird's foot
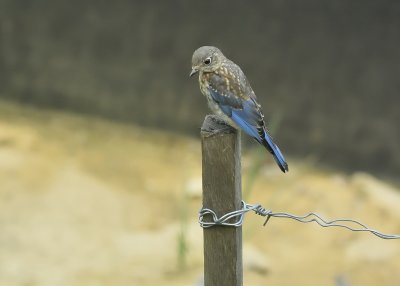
215	124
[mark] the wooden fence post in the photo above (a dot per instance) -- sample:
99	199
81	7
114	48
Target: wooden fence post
222	193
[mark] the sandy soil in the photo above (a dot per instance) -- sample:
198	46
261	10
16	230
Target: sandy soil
84	201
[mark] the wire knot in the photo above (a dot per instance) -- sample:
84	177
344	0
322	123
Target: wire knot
228	218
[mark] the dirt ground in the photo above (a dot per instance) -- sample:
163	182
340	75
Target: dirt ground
85	201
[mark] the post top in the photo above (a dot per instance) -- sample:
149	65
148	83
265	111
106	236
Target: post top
214	124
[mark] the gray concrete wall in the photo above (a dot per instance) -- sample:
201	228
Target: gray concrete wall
327	71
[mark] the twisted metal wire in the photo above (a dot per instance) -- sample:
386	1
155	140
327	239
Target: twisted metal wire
226	220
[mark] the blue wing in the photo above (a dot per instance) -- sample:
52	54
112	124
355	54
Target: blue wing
239	104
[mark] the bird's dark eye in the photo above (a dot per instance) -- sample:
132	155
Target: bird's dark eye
207	61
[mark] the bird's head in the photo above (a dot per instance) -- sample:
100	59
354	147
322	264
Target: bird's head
206	59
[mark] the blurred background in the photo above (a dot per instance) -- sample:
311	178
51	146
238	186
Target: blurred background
100	163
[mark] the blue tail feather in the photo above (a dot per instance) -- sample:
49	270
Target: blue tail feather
276	152
267	141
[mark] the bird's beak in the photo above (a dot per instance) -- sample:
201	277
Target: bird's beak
194	71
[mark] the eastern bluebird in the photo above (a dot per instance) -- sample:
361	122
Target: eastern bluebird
231	97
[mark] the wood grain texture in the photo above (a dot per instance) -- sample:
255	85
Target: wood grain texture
222	193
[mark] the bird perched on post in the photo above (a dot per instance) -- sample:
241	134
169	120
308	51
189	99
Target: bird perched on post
231	97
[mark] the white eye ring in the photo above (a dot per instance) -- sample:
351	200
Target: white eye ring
207	61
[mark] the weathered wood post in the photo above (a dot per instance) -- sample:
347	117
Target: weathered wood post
221	193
